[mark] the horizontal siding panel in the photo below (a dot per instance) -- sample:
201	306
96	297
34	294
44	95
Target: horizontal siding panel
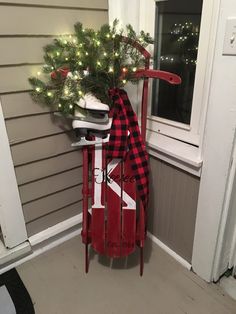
43	168
21	104
43	187
100	4
35	21
22	50
31	127
53	218
52	203
42	148
16	78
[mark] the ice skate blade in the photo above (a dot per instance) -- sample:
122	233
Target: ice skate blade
84	142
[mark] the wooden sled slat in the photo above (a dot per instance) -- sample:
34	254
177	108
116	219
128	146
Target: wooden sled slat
128	210
113	200
98	200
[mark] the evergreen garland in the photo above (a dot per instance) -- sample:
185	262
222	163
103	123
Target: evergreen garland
87	62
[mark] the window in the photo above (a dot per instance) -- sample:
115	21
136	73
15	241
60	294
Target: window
176	45
178	111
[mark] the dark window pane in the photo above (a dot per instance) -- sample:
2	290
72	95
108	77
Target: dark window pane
176	45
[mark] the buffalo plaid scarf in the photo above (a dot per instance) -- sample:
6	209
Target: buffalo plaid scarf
126	141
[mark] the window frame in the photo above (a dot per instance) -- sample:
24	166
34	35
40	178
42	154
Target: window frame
192	133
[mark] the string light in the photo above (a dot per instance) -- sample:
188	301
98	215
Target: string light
99	63
74	40
49	94
105	54
58	53
38	73
113	36
134	69
38	89
124	70
52	68
66	92
77	53
59	105
98	43
171	59
86	53
111	69
65	42
80	93
71	106
124	81
80	63
116	54
66	59
108	35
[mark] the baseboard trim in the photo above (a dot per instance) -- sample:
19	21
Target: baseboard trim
64	231
55	230
172	253
43	241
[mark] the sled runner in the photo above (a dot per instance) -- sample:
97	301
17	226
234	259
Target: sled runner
114	226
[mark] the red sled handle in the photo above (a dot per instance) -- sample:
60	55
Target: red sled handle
163	75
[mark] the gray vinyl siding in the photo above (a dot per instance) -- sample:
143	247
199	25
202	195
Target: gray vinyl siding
173	206
48	169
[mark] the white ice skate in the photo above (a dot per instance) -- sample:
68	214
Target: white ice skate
90	102
91	119
98	130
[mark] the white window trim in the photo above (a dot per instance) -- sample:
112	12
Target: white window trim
161	131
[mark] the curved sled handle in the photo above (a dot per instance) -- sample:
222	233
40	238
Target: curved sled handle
162	75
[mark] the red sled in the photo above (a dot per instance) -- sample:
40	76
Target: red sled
112	226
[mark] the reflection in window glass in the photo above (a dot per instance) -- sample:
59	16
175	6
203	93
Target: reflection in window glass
176	47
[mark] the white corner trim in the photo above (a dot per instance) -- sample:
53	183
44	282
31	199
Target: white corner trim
41	237
177	257
11	215
7	255
177	153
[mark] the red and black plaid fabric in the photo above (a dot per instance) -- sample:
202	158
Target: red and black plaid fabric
126	141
